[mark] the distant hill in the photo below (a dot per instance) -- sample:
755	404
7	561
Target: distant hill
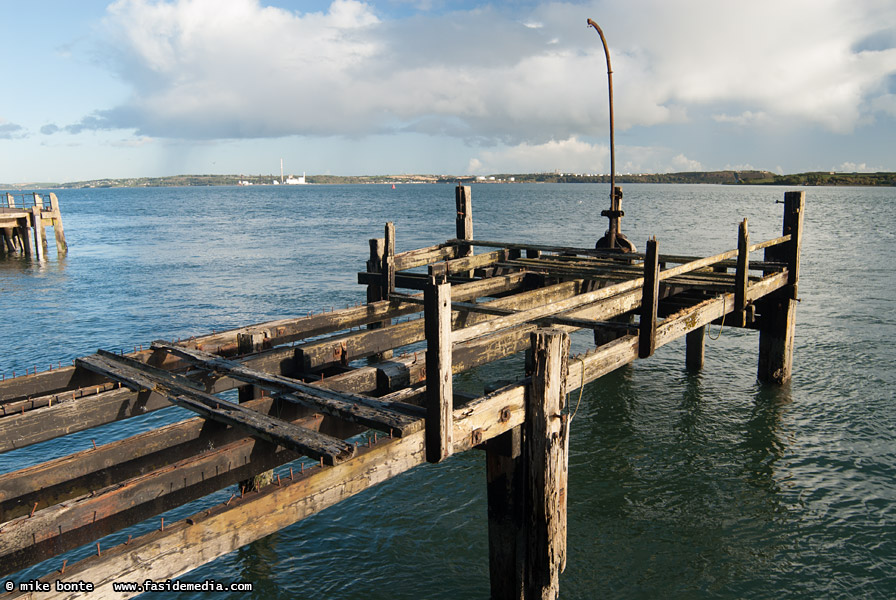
711	177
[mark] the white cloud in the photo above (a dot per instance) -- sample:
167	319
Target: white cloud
571	155
206	69
851	167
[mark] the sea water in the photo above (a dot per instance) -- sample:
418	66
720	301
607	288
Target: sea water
682	485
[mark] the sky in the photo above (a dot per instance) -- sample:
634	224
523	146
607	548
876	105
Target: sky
98	89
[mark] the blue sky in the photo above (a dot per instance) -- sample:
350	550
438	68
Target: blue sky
161	87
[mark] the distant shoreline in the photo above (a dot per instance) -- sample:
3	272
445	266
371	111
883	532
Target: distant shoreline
693	177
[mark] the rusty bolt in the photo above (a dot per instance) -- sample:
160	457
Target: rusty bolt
476	437
505	415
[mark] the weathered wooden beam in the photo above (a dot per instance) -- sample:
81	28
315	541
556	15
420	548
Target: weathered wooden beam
649	301
183	545
182	392
350	407
345	348
547	450
439	389
561	306
424	256
71	415
44	533
80	473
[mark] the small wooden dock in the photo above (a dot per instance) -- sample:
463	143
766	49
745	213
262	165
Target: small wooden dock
333	403
23	224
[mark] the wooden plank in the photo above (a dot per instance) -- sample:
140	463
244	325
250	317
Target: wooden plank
50	531
351	407
478	261
424	256
561	306
204	536
547	450
184	394
91	469
72	415
649	300
439	389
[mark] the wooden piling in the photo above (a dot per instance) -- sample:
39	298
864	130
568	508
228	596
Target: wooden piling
547	455
375	292
38	227
695	345
439	388
777	312
649	300
58	230
388	268
741	276
464	223
505	481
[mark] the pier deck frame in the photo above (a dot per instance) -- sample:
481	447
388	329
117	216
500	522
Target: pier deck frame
23	225
308	393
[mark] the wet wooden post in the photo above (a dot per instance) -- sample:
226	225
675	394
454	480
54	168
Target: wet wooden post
778	311
463	197
58	231
375	292
8	232
547	456
741	276
505	479
649	301
695	348
388	268
439	385
38	226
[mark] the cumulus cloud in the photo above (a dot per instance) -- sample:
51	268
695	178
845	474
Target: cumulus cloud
9	130
496	75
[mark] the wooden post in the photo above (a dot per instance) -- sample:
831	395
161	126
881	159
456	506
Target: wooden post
741	276
58	231
388	268
439	389
506	479
778	311
547	456
695	343
464	199
247	343
649	300
38	226
375	292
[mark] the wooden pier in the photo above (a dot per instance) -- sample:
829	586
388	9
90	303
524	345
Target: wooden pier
23	223
305	394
